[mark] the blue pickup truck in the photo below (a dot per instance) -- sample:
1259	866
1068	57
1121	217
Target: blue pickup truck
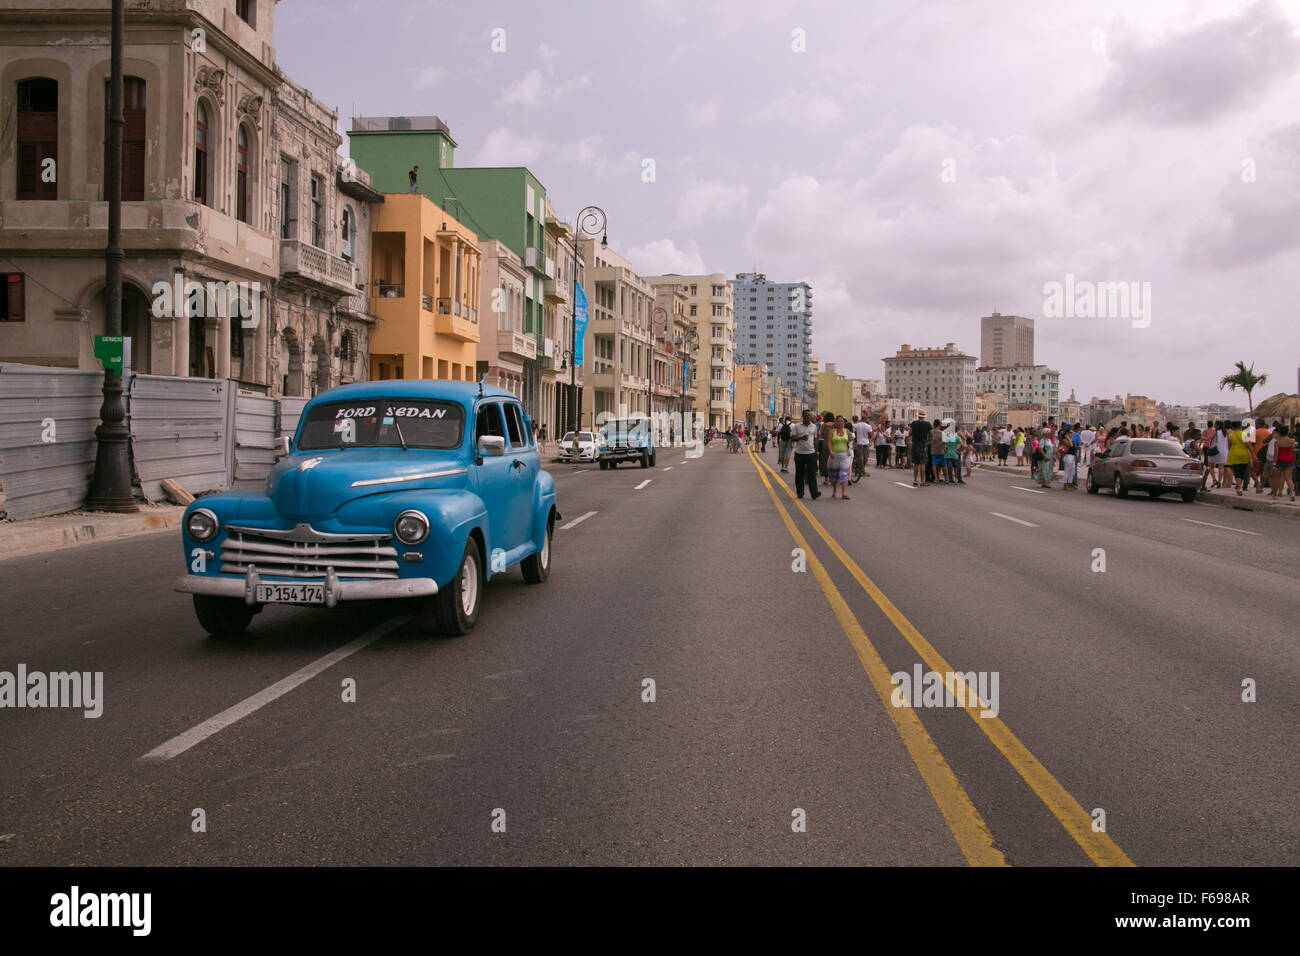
392	489
626	439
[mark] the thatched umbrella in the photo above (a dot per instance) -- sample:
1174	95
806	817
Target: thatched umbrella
1280	405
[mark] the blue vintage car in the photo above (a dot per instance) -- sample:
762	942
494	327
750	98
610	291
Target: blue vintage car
391	489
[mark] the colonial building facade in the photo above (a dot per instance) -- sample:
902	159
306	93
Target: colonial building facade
240	246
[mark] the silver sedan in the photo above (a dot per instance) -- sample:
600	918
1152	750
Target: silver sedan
1153	465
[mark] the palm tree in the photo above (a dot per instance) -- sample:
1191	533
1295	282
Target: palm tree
1246	380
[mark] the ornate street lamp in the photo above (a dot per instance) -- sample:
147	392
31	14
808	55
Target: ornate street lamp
110	486
589	221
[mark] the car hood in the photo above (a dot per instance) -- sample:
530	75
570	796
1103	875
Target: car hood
316	483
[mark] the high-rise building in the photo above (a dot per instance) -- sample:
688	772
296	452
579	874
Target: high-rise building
1006	340
941	380
774	325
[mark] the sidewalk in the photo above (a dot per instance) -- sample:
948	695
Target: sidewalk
79	527
1219	496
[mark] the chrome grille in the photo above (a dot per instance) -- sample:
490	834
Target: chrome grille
306	553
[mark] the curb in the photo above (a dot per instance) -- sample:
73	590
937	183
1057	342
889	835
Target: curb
95	527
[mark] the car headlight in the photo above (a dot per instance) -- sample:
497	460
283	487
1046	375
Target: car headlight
411	527
202	525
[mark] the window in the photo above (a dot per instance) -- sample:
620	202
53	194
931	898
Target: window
515	425
349	233
317	187
288	219
133	150
202	171
488	421
38	139
11	297
241	181
244	10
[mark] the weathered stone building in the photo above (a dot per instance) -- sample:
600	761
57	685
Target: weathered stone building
231	181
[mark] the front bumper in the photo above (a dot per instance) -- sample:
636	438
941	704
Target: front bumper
335	590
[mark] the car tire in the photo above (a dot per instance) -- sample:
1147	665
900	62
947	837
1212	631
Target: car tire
537	567
1189	496
1120	490
1154	493
652	459
456	605
224	618
645	459
1092	485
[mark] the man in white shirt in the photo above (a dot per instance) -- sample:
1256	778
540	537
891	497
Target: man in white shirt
1087	438
804	436
861	443
1005	439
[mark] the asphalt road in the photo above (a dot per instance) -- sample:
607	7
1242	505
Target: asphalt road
1118	691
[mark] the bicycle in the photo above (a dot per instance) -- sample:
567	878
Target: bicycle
858	470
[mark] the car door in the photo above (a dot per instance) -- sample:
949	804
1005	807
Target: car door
496	479
524	464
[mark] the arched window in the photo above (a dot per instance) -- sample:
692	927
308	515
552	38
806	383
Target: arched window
241	165
38	139
133	136
202	168
349	233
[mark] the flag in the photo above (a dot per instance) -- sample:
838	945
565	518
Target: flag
579	322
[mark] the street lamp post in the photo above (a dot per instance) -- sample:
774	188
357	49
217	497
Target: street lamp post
589	221
110	487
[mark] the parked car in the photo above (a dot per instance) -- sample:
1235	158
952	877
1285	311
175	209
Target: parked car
1154	465
626	439
588	447
390	489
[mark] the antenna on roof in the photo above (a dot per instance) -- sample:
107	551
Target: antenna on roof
480	388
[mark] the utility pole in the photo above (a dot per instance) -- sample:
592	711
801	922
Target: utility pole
110	488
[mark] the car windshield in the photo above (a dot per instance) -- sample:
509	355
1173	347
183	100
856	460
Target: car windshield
586	436
376	423
1156	446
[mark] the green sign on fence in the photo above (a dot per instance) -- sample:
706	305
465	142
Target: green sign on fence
108	349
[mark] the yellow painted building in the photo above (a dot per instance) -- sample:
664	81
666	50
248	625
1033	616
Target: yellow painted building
834	392
424	288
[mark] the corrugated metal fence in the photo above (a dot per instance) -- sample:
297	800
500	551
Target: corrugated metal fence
199	432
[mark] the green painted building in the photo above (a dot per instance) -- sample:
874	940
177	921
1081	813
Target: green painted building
507	204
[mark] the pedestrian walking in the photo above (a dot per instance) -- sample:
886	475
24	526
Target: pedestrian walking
1020	446
1069	459
1046	452
883	434
1238	458
804	437
861	444
840	441
783	444
1283	473
935	450
824	449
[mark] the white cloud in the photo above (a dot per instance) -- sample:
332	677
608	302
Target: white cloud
504	147
705	201
662	256
706	113
793	110
533	89
427	77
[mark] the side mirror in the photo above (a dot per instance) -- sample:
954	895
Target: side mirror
493	445
282	447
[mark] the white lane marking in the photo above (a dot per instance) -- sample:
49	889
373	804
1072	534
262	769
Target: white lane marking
683	462
1027	524
669	468
1032	491
578	520
214	725
903	484
1223	527
642	485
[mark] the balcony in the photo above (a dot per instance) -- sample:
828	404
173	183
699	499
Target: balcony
456	327
358	304
720	405
390	290
535	259
426	303
555	290
717	362
447	307
517	345
305	261
721	340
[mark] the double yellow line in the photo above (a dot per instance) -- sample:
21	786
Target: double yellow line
964	820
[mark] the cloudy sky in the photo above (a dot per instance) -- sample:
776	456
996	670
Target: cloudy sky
920	163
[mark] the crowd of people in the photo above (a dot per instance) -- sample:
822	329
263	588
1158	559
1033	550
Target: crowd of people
828	447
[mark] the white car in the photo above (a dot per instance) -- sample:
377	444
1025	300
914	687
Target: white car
587	448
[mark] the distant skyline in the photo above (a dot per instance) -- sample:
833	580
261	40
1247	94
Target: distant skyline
919	166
